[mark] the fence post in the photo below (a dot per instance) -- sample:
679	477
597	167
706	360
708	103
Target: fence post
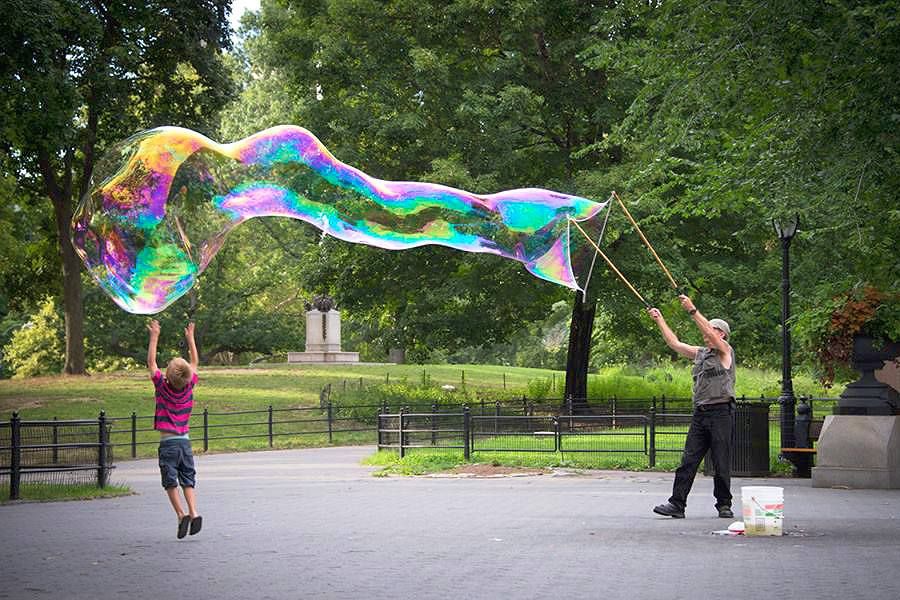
614	411
270	426
378	429
102	471
467	430
496	415
504	380
15	456
387	378
462	378
524	406
482	407
330	421
360	384
557	438
400	433
133	434
653	435
433	423
205	429
55	440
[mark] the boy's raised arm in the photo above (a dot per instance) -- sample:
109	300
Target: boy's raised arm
153	328
192	346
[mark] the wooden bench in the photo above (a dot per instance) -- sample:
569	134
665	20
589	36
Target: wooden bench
802	458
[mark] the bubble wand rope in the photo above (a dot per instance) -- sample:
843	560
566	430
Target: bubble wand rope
599	238
647	242
609	262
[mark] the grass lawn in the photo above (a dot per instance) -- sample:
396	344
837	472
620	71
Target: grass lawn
293	392
48	492
238	388
226	389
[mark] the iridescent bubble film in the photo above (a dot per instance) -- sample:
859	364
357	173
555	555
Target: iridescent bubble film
162	202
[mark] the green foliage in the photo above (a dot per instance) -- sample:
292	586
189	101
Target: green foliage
672	380
28	262
415	463
478	96
37	347
830	328
749	112
76	77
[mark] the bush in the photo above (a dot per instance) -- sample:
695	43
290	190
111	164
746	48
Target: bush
37	348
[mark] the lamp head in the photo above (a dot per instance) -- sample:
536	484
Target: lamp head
787	230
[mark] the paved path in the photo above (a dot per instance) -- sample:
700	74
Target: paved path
315	524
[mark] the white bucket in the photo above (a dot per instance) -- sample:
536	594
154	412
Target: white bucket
763	510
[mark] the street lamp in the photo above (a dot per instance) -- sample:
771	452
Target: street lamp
786	232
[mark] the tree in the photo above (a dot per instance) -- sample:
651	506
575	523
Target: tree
484	96
751	111
77	76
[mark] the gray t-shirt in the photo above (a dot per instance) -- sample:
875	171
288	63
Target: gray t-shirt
712	383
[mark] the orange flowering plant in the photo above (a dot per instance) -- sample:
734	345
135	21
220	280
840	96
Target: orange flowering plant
831	328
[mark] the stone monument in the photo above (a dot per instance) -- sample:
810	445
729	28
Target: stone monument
860	446
323	335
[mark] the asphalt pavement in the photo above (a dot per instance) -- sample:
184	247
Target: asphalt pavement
314	523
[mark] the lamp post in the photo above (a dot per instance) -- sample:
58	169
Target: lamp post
786	232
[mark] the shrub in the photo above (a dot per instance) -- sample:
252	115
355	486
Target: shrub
37	348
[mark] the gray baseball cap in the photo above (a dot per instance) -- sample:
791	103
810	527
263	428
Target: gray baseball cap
722	325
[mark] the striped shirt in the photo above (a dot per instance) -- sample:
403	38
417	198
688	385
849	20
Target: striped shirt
173	408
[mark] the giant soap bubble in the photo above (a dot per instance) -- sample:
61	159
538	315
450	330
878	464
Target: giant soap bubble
162	202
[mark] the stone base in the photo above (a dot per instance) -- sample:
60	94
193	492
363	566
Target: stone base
860	452
323	357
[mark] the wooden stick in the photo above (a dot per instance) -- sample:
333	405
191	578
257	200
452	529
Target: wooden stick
609	262
641	233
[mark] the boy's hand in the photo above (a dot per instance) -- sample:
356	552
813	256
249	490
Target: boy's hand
655	314
153	327
189	330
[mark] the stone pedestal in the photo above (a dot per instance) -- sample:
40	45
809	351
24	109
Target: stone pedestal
868	395
323	340
858	452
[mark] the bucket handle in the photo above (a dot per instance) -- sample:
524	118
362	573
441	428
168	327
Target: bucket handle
761	507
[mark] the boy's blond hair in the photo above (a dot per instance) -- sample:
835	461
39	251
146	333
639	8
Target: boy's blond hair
178	373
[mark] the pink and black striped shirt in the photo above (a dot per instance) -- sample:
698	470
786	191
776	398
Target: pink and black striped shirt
173	408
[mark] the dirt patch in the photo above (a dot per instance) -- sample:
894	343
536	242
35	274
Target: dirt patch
485	470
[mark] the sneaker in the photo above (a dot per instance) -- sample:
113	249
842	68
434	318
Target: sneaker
183	524
196	524
725	512
669	510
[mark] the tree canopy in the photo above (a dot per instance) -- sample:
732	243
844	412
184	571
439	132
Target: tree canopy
710	118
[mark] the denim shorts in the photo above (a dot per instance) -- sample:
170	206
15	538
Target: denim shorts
176	463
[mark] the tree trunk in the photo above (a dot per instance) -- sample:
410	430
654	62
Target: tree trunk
580	330
72	301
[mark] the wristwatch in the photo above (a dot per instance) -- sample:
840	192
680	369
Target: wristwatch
692	311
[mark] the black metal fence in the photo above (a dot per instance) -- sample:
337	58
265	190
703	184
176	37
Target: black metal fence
267	424
54	452
639	426
647	434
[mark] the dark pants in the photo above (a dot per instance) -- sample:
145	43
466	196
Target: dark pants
711	431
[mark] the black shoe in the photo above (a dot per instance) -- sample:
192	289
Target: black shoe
725	512
669	510
183	525
196	524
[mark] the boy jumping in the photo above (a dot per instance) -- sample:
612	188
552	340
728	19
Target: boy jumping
174	402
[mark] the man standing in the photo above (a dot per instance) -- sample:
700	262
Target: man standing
713	416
